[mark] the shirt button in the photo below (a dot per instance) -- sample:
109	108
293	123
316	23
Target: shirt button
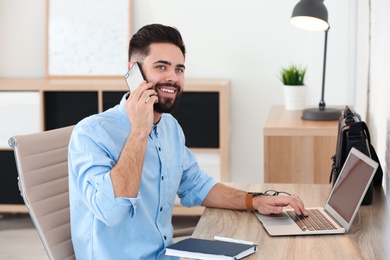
161	209
162	177
165	238
159	149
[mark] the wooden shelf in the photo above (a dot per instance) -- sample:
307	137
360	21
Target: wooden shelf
13	208
91	95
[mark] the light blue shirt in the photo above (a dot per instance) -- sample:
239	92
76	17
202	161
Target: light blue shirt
105	227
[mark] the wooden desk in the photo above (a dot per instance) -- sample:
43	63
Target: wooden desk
365	240
296	150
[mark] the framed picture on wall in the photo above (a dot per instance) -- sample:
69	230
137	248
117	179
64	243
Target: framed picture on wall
87	37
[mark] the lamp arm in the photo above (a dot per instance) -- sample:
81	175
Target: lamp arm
322	101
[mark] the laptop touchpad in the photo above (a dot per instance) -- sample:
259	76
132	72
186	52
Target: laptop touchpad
276	219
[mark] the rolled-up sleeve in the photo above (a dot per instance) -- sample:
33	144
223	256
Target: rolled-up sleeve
195	183
89	172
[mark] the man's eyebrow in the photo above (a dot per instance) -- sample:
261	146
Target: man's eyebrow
163	62
169	63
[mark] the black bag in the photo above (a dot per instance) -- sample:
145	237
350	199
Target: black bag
353	132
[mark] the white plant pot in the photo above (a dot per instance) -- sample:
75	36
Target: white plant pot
294	97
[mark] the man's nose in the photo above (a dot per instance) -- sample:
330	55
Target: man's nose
171	76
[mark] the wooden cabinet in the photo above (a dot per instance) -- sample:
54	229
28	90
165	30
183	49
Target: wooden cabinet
296	150
63	102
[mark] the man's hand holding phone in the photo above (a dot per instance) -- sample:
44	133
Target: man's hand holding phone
139	106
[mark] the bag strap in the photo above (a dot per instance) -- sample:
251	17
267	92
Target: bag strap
356	130
378	177
356	137
365	128
333	170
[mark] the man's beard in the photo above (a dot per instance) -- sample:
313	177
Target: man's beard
167	105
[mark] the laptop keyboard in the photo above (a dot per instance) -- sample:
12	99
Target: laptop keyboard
315	221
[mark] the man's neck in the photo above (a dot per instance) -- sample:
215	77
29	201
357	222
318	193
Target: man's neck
156	118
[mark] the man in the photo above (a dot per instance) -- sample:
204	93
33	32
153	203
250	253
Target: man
126	165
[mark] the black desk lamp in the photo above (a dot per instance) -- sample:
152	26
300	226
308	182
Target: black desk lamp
312	15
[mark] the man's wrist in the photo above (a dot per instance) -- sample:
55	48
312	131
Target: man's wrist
249	199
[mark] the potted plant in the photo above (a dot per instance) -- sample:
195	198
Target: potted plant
293	79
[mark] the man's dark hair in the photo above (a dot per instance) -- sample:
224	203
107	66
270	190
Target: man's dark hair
154	33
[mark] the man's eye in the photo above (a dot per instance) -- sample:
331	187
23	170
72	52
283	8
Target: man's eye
179	70
161	67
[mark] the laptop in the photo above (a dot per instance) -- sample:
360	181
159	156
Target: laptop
343	203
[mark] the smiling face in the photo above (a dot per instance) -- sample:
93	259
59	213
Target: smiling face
164	66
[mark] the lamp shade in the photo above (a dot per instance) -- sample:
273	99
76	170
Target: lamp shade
310	15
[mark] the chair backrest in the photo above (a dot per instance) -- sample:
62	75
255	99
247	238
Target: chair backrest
42	162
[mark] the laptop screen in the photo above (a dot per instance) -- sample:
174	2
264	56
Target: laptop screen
350	185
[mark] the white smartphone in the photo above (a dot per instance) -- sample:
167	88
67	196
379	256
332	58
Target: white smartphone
134	77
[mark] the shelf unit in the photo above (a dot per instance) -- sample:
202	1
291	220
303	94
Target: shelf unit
66	101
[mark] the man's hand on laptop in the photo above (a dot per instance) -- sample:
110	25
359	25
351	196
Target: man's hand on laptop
274	204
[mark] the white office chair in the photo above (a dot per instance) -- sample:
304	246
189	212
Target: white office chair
42	162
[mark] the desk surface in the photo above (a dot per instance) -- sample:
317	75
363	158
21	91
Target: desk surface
365	240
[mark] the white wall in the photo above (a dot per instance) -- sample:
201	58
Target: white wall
244	41
379	95
379	106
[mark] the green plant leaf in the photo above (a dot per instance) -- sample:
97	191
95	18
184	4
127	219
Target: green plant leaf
293	75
